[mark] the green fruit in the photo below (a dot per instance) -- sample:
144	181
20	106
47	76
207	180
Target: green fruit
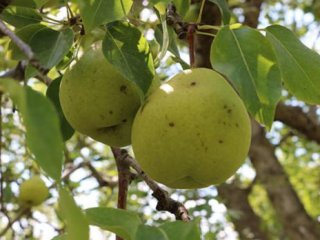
33	192
192	132
98	101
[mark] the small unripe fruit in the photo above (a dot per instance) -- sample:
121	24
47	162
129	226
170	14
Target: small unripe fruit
33	192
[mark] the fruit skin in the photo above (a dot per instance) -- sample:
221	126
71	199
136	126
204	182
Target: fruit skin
33	192
98	101
192	132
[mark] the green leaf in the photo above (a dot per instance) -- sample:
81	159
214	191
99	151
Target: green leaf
76	221
20	16
149	232
299	65
25	34
53	94
246	57
42	126
48	45
60	237
97	12
121	222
125	47
23	3
224	9
182	230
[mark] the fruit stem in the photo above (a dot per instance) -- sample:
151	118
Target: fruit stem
190	37
201	11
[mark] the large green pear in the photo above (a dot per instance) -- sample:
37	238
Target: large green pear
98	101
192	132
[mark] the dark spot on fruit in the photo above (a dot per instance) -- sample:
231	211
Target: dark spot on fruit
237	125
171	124
220	141
224	123
198	134
124	120
123	88
225	106
229	110
193	83
206	149
110	112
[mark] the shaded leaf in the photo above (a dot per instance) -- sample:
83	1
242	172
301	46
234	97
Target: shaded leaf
97	12
42	126
149	232
121	222
20	16
125	47
182	230
50	47
53	94
76	222
224	10
298	64
25	34
24	3
252	70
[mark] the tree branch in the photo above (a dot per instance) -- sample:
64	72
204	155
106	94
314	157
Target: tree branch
165	203
295	118
248	224
292	214
27	51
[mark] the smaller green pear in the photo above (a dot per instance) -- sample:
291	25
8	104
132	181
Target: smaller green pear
98	101
33	192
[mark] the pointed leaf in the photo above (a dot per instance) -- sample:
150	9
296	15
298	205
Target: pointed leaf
252	70
224	10
298	64
125	47
76	222
53	94
50	47
121	222
149	232
42	126
20	16
97	12
182	230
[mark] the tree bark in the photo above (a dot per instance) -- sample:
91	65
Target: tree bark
296	222
247	223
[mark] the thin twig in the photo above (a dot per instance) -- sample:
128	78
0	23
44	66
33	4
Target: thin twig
165	203
25	48
123	179
18	216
